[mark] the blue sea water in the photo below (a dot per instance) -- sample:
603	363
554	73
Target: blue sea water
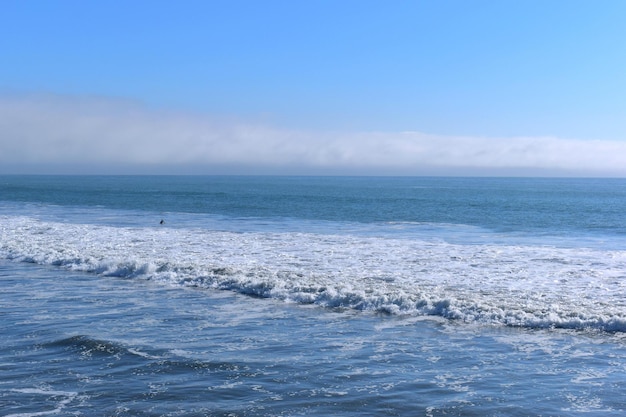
293	296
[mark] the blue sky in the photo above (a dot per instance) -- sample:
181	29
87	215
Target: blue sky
359	87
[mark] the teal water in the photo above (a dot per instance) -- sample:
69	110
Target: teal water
263	296
512	204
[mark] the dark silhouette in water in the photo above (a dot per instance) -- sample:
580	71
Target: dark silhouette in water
162	221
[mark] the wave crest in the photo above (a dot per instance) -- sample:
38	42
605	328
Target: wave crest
525	286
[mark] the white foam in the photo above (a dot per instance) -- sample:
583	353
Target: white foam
514	285
143	354
66	398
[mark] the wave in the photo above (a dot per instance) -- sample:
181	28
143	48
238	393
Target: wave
90	347
58	401
491	283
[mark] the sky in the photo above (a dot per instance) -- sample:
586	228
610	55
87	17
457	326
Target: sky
316	87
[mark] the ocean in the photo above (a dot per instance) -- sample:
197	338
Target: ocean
312	296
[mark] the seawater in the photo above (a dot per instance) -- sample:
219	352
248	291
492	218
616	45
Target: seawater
263	296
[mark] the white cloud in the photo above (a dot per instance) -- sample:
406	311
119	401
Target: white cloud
50	131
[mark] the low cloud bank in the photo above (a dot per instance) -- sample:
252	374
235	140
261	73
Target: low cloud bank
40	134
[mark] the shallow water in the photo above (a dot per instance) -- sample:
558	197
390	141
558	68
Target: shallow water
80	344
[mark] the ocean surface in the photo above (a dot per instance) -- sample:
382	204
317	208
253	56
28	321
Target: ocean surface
312	296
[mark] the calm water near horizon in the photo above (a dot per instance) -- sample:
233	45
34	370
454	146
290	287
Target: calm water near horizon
293	296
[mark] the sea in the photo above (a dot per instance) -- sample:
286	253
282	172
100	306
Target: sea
312	296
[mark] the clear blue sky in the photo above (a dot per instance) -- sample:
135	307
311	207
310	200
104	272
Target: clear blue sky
468	68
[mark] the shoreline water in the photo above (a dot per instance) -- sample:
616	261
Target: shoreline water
79	345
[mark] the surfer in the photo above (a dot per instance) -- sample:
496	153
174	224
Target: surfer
162	221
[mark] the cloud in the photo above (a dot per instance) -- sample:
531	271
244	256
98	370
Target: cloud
91	134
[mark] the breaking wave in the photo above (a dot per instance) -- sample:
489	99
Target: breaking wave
513	285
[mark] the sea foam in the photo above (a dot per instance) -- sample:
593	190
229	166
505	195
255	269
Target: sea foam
513	285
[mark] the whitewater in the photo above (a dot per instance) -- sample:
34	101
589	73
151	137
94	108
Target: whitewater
529	286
